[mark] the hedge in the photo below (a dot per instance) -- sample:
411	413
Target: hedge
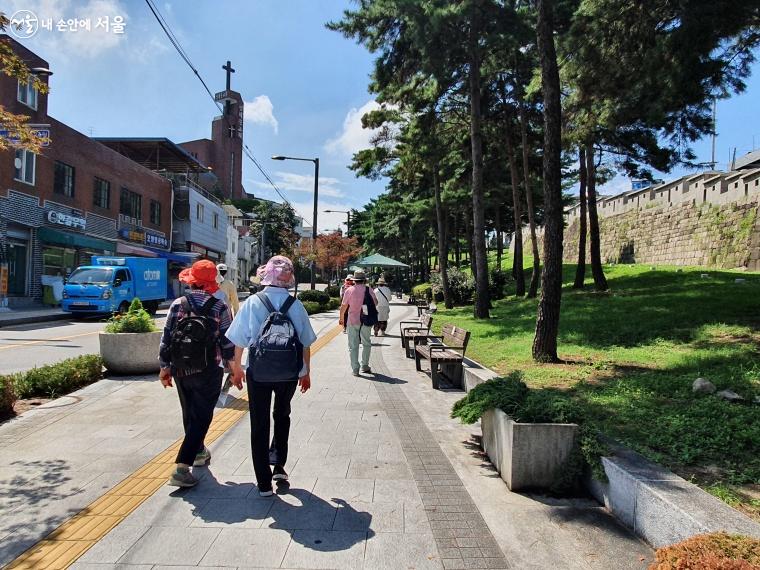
55	380
319	297
422	290
312	307
333	290
7	397
334	303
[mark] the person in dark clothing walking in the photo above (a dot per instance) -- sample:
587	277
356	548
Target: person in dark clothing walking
198	388
244	332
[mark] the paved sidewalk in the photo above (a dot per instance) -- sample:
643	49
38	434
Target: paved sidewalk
381	478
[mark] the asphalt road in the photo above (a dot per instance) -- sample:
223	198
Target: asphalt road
25	346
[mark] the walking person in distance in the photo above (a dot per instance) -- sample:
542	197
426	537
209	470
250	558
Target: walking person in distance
275	327
228	289
361	316
383	295
192	352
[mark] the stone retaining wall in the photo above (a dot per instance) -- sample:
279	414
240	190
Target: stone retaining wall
724	236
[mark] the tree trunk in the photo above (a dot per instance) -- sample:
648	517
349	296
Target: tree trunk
457	243
517	260
580	269
547	321
600	281
499	240
480	308
471	261
443	250
536	274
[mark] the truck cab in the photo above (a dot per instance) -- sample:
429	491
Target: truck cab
110	284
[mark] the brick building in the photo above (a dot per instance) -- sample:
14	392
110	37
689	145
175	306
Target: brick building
75	199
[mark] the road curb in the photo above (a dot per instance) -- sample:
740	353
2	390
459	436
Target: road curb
25	320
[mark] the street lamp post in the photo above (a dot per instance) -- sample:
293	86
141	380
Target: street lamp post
314	220
348	218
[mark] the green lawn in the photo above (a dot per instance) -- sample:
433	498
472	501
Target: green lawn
631	355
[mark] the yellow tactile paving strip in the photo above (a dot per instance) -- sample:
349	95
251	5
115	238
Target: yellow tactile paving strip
74	537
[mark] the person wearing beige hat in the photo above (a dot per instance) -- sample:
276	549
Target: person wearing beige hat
383	295
361	316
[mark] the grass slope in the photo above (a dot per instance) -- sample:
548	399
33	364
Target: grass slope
630	357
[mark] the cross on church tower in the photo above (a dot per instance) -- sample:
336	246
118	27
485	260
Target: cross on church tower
228	68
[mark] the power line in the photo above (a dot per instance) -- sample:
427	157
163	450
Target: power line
183	54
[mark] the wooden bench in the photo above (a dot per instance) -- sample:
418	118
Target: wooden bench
422	307
409	334
449	350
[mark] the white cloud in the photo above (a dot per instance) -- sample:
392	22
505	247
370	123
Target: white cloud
82	43
290	182
354	137
617	185
260	111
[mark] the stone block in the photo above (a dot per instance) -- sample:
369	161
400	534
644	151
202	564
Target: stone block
526	455
659	506
474	374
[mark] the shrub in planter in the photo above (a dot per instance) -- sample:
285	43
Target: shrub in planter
512	396
333	291
334	303
7	396
715	551
54	380
319	297
135	320
129	343
312	307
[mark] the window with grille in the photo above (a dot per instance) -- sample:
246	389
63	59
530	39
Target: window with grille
155	212
130	204
63	179
101	194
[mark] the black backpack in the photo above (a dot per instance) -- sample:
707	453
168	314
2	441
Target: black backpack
193	342
277	354
371	317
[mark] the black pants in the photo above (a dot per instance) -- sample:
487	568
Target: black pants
260	404
381	326
198	394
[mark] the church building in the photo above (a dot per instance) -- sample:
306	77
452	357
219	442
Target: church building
223	152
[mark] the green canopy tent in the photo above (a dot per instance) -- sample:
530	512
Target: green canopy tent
377	260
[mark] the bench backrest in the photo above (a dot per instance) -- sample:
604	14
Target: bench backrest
426	320
452	335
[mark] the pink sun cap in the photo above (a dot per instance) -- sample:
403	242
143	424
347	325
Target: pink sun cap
278	272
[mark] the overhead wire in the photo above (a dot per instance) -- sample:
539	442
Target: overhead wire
186	58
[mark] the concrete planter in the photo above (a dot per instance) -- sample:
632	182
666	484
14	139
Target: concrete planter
526	455
130	353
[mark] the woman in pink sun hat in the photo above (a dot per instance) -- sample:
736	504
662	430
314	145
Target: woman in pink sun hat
253	326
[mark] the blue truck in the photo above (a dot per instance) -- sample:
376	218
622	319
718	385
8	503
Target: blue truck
109	284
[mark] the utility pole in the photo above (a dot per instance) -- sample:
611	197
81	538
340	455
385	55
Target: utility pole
714	131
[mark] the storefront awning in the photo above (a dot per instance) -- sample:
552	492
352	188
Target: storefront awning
132	250
48	235
184	258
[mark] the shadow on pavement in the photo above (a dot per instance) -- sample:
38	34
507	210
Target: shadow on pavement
290	509
23	501
384	379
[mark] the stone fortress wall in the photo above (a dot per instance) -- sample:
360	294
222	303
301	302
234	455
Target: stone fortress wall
708	219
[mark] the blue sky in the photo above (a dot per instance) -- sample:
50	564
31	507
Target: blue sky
306	87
